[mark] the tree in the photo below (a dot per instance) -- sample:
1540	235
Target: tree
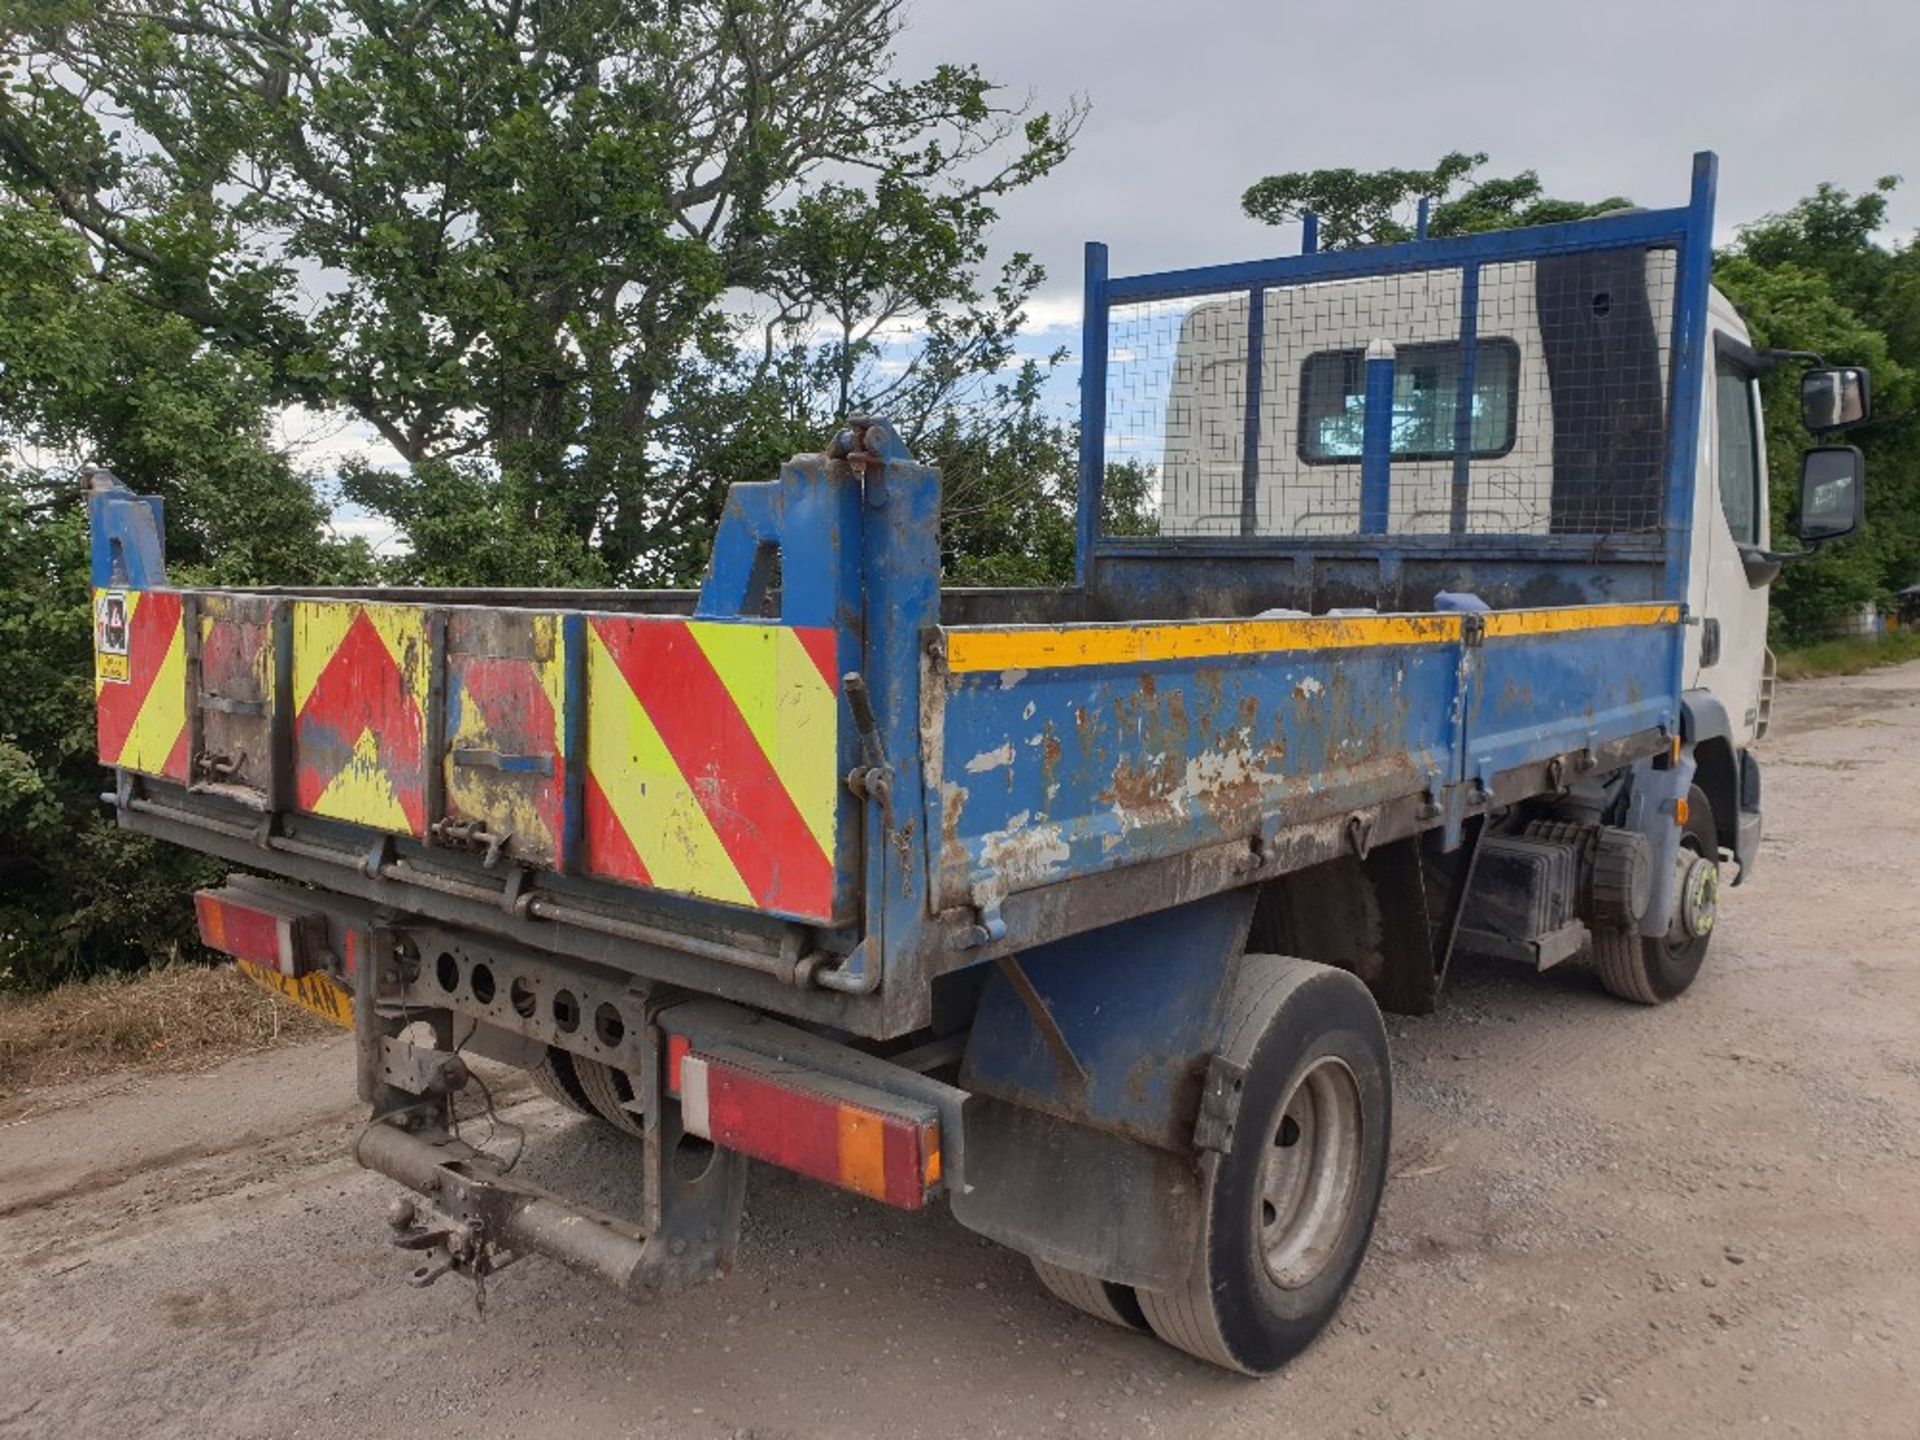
89	373
532	245
1376	207
1815	278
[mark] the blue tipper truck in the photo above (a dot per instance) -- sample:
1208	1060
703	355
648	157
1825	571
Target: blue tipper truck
1437	621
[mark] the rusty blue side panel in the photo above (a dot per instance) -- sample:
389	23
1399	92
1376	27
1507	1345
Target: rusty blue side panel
1048	774
1531	696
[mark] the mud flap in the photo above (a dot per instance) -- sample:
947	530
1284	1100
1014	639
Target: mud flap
1086	1064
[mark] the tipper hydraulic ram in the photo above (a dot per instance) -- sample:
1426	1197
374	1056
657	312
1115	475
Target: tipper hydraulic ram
1074	908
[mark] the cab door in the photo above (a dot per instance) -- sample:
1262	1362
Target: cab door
1727	651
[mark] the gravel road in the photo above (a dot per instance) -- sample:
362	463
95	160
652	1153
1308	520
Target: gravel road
1603	1221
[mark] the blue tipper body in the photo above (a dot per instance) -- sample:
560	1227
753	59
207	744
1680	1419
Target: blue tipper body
1146	768
1090	782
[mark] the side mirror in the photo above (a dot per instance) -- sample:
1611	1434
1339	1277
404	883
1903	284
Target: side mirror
1833	493
1835	397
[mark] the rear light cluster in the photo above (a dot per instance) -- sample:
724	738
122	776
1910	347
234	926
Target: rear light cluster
260	930
278	944
882	1146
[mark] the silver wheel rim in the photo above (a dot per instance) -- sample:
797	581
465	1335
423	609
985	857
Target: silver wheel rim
1310	1173
1699	894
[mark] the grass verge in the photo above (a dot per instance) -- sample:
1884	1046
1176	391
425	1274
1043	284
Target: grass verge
178	1017
1848	657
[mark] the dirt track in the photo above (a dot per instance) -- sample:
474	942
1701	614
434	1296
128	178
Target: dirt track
1604	1221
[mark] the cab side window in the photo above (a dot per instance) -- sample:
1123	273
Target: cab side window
1739	450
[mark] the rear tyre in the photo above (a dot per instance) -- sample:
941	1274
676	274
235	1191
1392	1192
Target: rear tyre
554	1078
1102	1299
1652	969
608	1090
1290	1208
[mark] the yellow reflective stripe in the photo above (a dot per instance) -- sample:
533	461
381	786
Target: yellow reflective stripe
1505	624
403	630
647	792
1038	648
163	714
789	708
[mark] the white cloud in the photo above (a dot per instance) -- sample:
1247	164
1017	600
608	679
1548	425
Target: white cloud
322	440
350	523
1051	314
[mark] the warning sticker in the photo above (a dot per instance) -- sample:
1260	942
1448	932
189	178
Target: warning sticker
110	629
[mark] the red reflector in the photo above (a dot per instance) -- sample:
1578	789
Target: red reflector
875	1145
258	929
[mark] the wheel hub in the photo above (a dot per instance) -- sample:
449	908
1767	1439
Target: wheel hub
1699	896
1311	1173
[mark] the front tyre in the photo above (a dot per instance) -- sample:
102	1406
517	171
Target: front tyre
1652	969
1291	1206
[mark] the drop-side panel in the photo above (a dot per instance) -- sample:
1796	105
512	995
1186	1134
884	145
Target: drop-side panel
1558	681
1068	751
701	757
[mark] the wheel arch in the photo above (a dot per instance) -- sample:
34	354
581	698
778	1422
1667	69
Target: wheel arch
1708	733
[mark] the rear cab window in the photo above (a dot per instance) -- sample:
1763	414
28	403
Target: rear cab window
1426	401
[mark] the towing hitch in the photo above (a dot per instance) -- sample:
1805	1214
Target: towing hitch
473	1218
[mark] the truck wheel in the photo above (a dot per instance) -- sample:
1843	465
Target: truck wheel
1290	1207
1651	969
1102	1299
608	1090
553	1077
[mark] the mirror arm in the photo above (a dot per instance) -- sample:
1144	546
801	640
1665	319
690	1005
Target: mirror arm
1770	358
1751	555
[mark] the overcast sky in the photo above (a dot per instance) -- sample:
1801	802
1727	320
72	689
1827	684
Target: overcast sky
1195	99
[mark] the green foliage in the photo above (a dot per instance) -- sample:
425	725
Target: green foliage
528	244
1376	207
76	894
89	372
1010	473
1848	657
1814	278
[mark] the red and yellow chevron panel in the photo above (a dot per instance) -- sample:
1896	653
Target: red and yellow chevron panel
506	719
713	760
140	681
360	702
